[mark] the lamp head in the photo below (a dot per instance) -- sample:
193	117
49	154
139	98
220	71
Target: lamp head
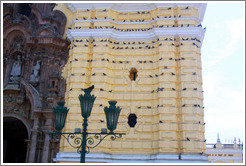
60	115
86	102
112	115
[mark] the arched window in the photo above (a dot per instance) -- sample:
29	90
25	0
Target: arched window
133	74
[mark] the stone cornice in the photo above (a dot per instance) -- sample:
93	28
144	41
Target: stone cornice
134	22
149	35
200	6
114	158
224	151
126	7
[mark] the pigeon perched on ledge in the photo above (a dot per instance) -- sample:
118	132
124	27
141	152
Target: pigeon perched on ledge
88	90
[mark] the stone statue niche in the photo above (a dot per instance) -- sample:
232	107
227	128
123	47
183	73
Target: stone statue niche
16	70
34	78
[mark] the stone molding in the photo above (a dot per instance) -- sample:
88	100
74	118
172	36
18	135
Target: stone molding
150	35
224	151
134	22
127	7
33	94
158	158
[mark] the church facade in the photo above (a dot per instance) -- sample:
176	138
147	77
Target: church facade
147	57
228	152
34	52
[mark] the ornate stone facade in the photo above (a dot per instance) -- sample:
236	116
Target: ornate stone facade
34	52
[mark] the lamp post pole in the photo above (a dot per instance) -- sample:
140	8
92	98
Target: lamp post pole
84	135
86	102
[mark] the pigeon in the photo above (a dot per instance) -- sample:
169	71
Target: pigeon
88	90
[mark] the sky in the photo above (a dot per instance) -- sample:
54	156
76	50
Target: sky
223	70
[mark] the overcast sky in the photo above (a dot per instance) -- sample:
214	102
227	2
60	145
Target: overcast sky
223	68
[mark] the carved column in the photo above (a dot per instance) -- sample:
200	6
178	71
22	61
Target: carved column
46	147
33	145
27	149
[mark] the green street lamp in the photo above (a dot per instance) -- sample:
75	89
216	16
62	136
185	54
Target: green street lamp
60	115
112	115
78	139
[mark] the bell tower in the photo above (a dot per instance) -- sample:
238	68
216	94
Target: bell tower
147	57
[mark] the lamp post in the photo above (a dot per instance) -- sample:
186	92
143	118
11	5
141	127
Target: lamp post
78	139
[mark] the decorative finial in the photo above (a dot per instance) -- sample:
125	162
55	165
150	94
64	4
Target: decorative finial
218	139
235	140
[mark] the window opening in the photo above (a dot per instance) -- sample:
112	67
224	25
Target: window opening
133	74
53	83
132	120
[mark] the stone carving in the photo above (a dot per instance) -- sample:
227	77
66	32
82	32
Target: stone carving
45	8
17	44
16	70
34	35
35	72
10	105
